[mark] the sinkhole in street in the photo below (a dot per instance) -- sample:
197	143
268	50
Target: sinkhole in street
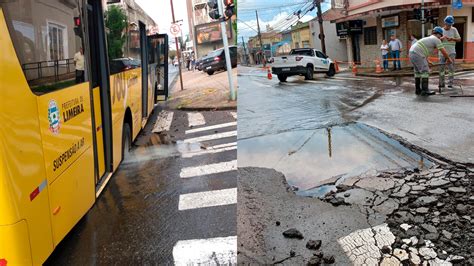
312	160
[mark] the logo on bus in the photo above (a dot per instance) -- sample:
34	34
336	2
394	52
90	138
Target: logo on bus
53	117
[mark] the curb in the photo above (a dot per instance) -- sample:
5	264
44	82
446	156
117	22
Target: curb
198	108
374	75
173	82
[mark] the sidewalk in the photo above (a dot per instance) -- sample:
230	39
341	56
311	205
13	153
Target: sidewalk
203	92
408	71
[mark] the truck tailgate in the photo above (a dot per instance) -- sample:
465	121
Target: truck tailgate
285	61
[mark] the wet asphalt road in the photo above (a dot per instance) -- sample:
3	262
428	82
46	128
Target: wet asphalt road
157	208
311	130
316	135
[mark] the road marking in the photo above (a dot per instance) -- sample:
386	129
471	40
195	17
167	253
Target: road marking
196	119
211	251
207	199
211	150
346	78
461	75
208	169
234	114
163	122
212	137
194	130
364	246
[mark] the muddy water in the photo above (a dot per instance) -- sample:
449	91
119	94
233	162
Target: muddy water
311	158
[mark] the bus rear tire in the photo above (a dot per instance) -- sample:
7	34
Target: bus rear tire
126	142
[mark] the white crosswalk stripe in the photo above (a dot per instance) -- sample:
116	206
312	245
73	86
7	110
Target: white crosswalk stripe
210	251
200	129
196	119
210	150
207	199
207	251
208	169
212	137
163	122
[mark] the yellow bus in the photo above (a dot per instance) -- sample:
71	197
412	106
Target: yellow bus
78	81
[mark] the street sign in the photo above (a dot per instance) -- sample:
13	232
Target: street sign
175	30
457	4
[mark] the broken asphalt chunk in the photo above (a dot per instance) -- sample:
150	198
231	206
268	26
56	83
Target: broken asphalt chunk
293	233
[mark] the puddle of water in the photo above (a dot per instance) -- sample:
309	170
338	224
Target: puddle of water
308	158
157	146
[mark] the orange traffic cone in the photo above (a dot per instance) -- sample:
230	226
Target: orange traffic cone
354	69
378	67
336	66
269	73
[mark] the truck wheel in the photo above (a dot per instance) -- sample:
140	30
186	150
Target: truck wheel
210	73
126	142
332	71
282	77
309	73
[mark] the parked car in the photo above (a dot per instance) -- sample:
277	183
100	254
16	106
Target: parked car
215	60
121	64
199	63
302	61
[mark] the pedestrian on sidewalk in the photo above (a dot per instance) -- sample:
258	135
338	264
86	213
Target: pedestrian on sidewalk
384	50
419	54
413	40
193	62
449	39
79	64
395	48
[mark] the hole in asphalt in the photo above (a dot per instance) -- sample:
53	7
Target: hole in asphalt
315	161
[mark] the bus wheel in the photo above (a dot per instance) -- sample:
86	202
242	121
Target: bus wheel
126	142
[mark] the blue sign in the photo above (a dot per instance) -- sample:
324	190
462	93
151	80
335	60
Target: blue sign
457	4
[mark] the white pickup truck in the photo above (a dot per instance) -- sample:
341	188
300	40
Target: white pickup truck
302	61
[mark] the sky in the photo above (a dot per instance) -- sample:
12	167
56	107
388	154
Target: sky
160	11
270	12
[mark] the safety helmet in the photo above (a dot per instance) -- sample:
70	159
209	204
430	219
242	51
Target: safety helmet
449	20
437	30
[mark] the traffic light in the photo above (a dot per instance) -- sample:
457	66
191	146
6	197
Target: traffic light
229	9
77	26
213	9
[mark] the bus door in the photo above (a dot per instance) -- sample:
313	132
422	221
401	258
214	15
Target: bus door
159	45
101	110
144	65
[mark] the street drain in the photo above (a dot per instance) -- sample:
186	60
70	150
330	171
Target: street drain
314	161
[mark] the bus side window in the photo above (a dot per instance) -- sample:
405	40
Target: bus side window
48	42
123	40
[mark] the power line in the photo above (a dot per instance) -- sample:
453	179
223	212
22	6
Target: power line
252	9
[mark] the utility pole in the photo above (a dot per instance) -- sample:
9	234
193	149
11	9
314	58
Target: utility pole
245	51
321	28
177	47
260	40
422	18
226	51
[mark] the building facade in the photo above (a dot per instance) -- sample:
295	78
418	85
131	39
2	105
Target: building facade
335	45
270	41
204	32
301	35
365	24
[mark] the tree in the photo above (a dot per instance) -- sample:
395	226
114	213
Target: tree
116	23
234	23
